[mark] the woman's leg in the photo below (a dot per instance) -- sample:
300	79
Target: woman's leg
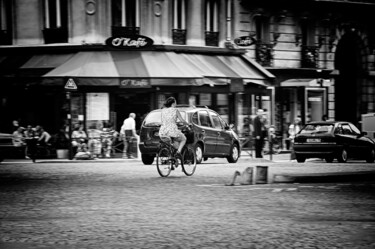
182	142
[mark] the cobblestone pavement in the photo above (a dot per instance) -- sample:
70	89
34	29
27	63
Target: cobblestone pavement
127	205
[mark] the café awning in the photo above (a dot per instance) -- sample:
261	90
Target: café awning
158	68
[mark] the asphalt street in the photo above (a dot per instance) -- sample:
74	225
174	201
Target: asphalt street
125	204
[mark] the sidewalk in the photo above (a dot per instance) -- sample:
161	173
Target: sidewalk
280	169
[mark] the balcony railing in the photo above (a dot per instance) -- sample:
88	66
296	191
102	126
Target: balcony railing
309	57
212	38
5	37
264	54
55	35
121	31
179	36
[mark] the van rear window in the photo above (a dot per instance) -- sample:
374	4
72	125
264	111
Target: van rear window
154	118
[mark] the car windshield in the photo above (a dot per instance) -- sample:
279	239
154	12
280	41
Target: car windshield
317	128
154	118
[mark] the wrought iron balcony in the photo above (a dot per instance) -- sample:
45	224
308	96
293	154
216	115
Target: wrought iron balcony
179	36
121	31
212	38
310	56
264	54
55	35
5	37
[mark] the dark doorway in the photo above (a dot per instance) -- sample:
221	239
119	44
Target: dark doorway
126	103
347	90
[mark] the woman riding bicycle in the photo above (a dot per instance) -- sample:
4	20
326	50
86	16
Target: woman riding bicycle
168	128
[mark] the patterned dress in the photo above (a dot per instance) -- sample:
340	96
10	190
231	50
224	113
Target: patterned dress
168	126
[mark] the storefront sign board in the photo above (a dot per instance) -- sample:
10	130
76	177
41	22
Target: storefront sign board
135	83
129	42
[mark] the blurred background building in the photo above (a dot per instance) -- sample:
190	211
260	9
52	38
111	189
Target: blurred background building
290	57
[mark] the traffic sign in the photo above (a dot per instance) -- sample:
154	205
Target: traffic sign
70	85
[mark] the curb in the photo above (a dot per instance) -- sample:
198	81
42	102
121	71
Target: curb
325	177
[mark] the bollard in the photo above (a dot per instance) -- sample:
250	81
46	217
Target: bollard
261	175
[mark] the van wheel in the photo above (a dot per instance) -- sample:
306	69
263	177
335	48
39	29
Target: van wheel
147	159
342	157
300	159
199	153
371	156
234	154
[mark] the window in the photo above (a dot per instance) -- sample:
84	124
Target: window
194	118
262	28
216	120
125	17
307	28
179	22
204	119
5	22
309	50
212	23
55	21
346	129
229	20
355	129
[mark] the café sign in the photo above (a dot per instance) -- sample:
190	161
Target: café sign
129	42
135	83
244	41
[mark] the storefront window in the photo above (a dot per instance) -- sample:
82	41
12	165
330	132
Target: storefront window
205	99
222	106
77	111
97	110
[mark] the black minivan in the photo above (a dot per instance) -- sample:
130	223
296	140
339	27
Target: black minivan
210	135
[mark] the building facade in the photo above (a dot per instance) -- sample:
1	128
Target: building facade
123	56
293	58
321	53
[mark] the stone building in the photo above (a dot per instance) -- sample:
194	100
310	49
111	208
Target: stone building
321	53
123	56
291	57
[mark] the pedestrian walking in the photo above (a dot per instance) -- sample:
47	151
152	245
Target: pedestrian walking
258	133
128	134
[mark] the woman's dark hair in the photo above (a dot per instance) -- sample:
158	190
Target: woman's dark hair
169	102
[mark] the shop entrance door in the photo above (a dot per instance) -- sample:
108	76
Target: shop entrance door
126	103
316	104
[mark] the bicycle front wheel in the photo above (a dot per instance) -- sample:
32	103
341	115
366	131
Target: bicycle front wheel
164	162
189	161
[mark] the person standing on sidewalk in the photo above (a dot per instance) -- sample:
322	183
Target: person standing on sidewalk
258	133
294	128
128	133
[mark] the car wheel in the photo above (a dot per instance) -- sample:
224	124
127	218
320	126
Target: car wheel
147	159
342	156
300	159
199	153
371	156
234	154
329	159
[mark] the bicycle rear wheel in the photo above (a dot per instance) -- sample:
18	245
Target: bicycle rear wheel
164	162
189	163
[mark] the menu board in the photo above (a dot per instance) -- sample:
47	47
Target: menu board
97	106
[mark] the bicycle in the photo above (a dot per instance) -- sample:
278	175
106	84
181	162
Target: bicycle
166	159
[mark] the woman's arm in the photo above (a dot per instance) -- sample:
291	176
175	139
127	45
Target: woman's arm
179	116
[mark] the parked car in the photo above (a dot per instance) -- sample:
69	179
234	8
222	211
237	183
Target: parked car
333	139
210	135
